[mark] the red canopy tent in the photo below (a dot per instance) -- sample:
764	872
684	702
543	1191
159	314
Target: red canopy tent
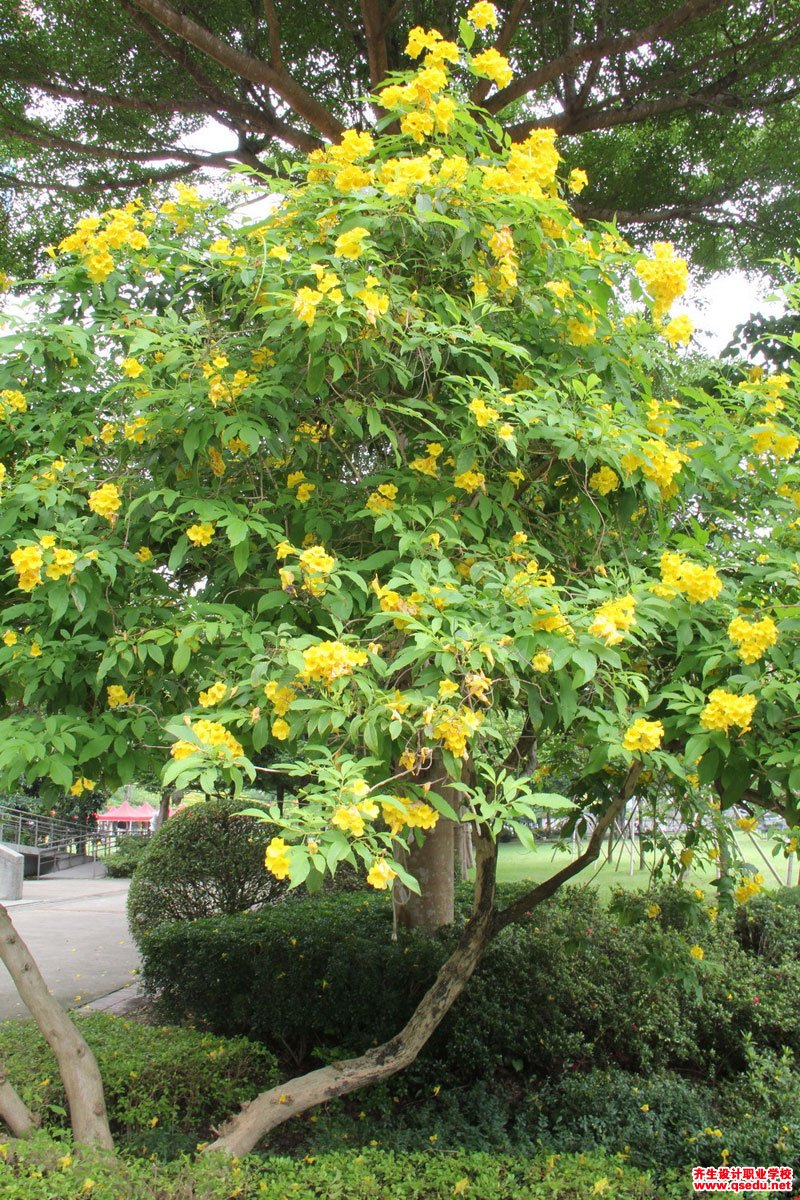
126	814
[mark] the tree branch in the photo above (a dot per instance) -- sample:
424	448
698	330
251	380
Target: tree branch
242	65
377	54
544	890
272	1108
274	34
17	1116
605	47
76	1063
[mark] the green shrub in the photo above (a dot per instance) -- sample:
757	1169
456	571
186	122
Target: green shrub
126	857
566	990
770	926
42	1169
161	1083
203	861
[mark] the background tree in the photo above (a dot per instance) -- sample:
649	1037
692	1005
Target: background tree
403	481
684	115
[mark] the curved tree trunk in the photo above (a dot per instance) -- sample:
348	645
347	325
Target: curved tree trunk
76	1063
17	1116
241	1133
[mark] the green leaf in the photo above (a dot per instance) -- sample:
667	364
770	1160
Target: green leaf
181	657
553	800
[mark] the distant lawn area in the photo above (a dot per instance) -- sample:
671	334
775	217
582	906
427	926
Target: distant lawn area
517	863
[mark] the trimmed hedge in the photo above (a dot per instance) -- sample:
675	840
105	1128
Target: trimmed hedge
566	990
42	1169
164	1084
203	861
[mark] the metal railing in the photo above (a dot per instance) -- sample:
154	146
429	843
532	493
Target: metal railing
50	839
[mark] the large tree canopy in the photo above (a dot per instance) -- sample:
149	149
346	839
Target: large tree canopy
405	483
686	112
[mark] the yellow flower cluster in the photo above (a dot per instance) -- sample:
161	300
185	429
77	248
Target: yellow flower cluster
604	481
679	330
82	785
276	858
376	303
351	244
11	401
470	480
501	244
380	874
200	534
455	727
215	695
402	814
105	501
643	735
542	662
769	440
483	15
212	735
350	817
430	464
613	618
664	275
483	413
382	499
61	564
330	660
95	237
491	64
680	574
724	709
748	888
221	390
659	462
279	696
27	562
117	697
752	638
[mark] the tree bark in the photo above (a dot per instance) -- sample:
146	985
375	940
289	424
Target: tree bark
432	865
76	1063
17	1116
241	1133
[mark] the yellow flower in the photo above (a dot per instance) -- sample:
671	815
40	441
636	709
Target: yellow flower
686	857
447	689
117	696
643	735
380	874
305	304
10	638
144	554
604	481
105	501
577	180
215	694
276	858
492	65
753	638
351	244
724	709
201	534
697	952
280	729
327	661
483	15
542	662
132	368
653	911
35	650
747	824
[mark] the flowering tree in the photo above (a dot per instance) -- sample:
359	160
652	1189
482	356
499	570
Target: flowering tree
402	484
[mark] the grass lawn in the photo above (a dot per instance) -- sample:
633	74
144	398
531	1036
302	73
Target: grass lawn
517	863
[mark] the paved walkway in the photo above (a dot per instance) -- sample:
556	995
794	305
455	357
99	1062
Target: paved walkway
77	931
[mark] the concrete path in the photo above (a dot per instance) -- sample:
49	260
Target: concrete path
77	931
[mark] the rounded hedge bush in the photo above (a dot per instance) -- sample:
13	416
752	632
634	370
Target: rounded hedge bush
205	861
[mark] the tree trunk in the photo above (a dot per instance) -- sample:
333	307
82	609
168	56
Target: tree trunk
76	1063
241	1133
432	865
19	1119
